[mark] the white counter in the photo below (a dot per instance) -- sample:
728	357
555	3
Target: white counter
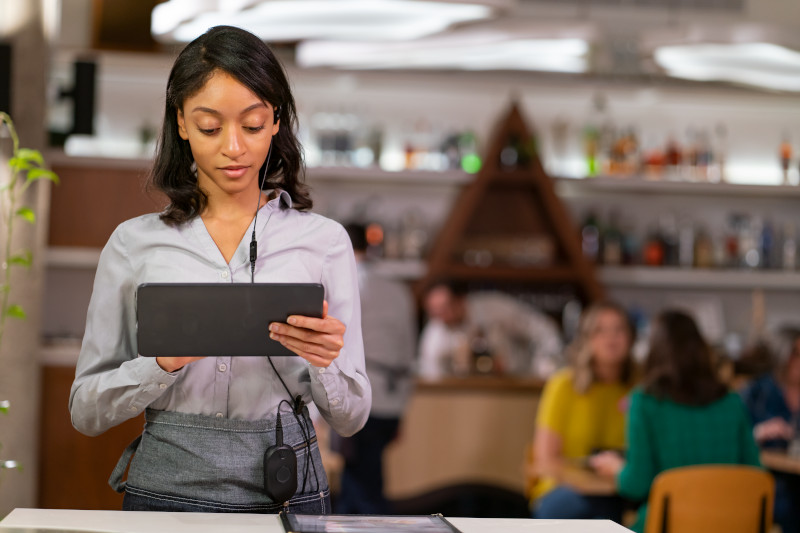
30	520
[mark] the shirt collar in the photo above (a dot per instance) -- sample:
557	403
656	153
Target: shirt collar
283	198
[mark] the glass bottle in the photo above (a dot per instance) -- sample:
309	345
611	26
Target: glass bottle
786	158
789	248
590	237
703	249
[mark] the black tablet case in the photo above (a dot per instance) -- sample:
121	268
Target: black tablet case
219	319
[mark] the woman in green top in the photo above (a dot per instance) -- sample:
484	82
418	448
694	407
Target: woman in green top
682	415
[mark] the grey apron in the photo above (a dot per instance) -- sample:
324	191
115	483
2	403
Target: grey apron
195	462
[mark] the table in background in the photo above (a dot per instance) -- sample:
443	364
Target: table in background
28	520
780	462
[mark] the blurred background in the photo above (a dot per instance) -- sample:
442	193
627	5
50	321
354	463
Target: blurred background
656	142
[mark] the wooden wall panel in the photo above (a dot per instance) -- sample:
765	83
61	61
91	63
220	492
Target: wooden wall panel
91	201
74	468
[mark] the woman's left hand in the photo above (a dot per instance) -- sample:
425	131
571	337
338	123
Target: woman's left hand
607	464
317	340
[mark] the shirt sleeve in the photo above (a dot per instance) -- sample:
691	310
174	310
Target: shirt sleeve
555	403
342	392
112	384
640	466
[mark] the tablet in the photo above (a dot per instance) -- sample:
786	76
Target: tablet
219	319
306	523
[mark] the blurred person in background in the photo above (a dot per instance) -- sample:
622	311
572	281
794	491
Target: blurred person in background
682	415
388	321
487	332
773	400
582	411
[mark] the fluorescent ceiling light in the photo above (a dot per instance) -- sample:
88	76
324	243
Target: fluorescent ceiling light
295	20
467	51
757	64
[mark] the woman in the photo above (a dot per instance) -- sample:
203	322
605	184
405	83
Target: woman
582	410
773	401
229	131
682	415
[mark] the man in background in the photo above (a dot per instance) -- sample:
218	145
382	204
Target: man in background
485	332
388	321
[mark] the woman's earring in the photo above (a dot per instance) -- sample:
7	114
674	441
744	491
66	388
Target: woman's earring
193	168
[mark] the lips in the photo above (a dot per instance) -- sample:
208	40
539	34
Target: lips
234	171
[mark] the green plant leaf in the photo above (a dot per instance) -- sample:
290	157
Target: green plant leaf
15	311
30	155
27	213
23	259
4	405
40	173
17	164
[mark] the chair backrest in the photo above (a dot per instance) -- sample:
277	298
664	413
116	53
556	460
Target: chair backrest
711	498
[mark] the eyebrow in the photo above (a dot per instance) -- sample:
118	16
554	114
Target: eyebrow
215	112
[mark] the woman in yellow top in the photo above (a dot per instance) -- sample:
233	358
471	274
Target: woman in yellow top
581	412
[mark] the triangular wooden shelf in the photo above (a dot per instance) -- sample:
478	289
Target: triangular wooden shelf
504	218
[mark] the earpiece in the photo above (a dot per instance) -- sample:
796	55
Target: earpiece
276	114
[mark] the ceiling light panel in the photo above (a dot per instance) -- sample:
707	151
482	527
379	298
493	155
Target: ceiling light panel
757	64
296	20
556	55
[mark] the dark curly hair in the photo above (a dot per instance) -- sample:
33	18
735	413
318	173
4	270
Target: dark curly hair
250	61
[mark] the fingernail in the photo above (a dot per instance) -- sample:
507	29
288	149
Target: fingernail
292	320
272	336
273	327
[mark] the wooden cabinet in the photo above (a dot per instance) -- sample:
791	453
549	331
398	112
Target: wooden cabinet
74	468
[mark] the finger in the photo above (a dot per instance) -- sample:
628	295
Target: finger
314	358
310	348
324	308
322	325
333	341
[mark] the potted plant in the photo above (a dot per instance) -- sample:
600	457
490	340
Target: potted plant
26	167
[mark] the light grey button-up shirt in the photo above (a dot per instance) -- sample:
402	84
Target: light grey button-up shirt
113	384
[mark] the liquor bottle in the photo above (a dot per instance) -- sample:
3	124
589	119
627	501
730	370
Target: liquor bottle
720	153
669	238
686	244
653	252
482	360
673	158
703	249
767	245
786	158
631	245
590	237
611	242
789	248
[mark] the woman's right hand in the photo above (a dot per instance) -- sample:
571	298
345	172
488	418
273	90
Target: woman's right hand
772	429
173	364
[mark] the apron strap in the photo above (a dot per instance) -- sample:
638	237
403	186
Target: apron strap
116	476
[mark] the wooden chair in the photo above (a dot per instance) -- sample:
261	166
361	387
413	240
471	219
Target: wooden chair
711	498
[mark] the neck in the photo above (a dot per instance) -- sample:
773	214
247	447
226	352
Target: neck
608	372
234	206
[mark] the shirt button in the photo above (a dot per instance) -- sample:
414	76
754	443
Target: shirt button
132	408
224	274
162	386
335	401
219	415
223	367
322	370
